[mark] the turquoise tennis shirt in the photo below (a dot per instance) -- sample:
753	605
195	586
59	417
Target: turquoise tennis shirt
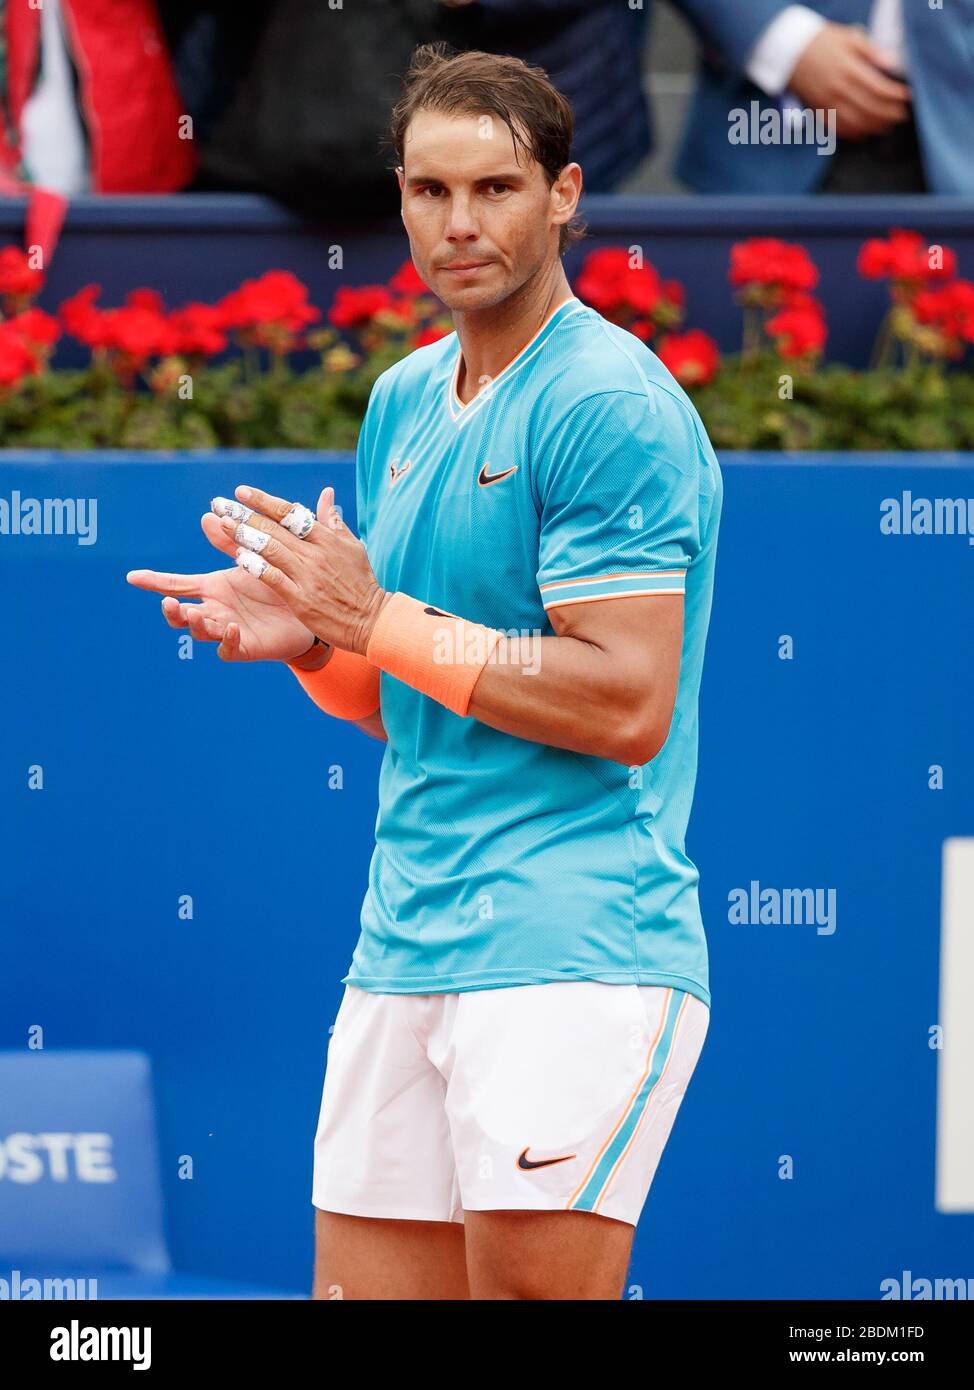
581	473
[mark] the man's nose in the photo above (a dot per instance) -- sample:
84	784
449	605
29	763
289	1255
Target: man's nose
461	223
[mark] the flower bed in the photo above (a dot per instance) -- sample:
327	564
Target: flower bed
258	369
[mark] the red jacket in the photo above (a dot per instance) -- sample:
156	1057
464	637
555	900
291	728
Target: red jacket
127	93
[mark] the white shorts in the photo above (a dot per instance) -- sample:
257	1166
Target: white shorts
538	1097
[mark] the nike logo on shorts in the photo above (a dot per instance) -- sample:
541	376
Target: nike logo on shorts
528	1163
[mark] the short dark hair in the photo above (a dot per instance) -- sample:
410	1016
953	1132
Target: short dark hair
473	83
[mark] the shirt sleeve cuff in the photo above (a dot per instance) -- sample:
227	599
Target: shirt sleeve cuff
775	56
632	584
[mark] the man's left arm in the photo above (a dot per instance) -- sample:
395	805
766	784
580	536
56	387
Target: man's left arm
604	685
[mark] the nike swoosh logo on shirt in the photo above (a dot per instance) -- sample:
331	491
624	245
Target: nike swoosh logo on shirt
486	478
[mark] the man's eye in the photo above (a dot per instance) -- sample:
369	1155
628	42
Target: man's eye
502	186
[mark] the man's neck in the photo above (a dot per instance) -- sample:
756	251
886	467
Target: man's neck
491	338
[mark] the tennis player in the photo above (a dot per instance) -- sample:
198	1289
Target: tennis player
522	618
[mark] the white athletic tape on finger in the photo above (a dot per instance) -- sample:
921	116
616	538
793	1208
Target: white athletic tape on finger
250	537
299	521
252	563
226	506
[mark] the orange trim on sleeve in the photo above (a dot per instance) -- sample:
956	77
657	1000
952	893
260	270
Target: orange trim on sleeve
604	578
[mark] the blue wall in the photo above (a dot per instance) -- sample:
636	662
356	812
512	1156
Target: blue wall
199	246
165	777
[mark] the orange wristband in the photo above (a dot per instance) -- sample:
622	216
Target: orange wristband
347	686
435	652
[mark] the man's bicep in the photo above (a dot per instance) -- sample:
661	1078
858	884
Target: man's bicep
642	639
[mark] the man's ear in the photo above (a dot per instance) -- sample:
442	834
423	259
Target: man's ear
571	182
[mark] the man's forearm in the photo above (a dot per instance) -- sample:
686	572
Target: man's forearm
555	690
594	694
343	684
565	692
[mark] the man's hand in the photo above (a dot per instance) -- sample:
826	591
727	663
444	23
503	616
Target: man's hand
247	618
324	578
841	70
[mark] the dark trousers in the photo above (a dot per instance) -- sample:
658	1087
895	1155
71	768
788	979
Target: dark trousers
890	163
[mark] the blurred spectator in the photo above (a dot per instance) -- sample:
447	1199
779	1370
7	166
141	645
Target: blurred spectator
591	50
307	119
88	99
898	73
212	46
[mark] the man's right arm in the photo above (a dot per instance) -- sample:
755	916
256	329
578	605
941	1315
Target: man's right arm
358	676
374	726
356	670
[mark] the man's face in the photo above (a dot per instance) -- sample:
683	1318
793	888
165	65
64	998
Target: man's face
479	223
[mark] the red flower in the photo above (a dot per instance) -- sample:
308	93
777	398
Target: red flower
82	319
150	300
36	333
353	307
612	285
799	329
692	357
432	333
674	293
270	311
904	257
198	329
949	309
775	265
138	333
34	326
137	330
17	359
17	278
406	280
